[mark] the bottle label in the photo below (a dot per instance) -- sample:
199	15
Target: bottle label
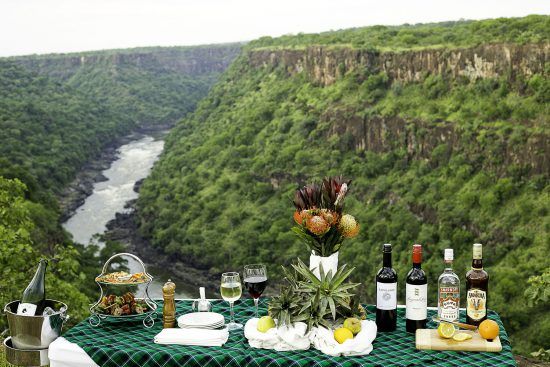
476	307
386	296
26	309
449	302
417	302
477	253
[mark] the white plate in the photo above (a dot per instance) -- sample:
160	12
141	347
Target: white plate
197	319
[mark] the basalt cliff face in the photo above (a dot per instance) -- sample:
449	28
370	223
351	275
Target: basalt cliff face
325	65
191	61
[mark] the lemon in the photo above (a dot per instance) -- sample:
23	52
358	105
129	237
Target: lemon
342	334
460	337
446	330
265	323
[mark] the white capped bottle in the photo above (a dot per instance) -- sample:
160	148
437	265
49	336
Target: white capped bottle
448	290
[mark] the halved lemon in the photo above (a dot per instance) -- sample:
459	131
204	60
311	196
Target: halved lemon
446	330
460	337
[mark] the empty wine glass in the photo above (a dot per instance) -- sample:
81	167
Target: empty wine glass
255	281
231	290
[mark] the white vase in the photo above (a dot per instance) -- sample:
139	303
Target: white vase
330	263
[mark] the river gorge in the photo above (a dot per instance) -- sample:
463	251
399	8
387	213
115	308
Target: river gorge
132	163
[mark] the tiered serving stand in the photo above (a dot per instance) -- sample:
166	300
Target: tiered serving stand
147	318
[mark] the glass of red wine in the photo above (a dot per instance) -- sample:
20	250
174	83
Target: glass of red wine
255	281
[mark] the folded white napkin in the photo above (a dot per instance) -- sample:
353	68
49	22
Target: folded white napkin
323	340
188	336
283	338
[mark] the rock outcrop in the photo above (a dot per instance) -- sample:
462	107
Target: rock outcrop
325	65
186	60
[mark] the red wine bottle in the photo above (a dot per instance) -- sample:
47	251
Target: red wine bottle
386	293
416	294
33	300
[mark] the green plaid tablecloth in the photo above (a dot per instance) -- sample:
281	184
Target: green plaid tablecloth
131	345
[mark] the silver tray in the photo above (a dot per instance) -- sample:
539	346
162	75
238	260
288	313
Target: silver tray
147	318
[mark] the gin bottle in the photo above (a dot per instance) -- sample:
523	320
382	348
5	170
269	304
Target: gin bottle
448	295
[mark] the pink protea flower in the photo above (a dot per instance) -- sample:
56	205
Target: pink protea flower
348	226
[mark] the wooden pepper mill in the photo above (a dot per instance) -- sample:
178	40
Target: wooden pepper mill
169	309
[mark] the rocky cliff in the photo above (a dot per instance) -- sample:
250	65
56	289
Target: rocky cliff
324	65
185	60
419	138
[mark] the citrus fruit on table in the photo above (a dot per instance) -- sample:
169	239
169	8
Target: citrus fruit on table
488	329
353	324
342	334
446	330
265	323
460	337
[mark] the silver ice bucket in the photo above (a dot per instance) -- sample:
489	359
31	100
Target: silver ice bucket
35	332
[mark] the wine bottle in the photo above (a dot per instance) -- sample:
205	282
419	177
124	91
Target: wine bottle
417	294
33	300
477	289
386	293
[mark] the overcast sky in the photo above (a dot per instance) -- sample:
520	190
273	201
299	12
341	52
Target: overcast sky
44	26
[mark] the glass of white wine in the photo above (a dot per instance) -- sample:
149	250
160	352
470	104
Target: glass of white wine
231	290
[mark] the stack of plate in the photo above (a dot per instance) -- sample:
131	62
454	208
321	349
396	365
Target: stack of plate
201	320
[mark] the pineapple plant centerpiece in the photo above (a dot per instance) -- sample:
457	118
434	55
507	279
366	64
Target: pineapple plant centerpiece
324	301
321	223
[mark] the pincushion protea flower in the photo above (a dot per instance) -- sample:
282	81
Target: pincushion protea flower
302	216
317	225
330	216
348	226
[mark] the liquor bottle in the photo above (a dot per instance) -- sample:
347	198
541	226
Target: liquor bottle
417	294
33	300
477	289
448	290
386	293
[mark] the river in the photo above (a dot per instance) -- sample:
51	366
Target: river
133	163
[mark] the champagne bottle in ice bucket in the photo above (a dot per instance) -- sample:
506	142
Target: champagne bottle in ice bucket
33	300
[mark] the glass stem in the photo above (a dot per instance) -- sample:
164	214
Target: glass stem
256	300
232	317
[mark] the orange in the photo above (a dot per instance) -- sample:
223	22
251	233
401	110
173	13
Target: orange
488	329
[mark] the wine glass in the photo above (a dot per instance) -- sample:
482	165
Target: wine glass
255	281
231	290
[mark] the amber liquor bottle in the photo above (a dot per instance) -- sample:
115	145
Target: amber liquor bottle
477	289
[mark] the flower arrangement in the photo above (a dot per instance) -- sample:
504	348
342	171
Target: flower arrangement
319	217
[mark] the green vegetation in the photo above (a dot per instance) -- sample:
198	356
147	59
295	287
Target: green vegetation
144	86
530	29
58	112
443	162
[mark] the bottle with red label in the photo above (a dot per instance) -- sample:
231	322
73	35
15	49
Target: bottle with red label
416	294
448	290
